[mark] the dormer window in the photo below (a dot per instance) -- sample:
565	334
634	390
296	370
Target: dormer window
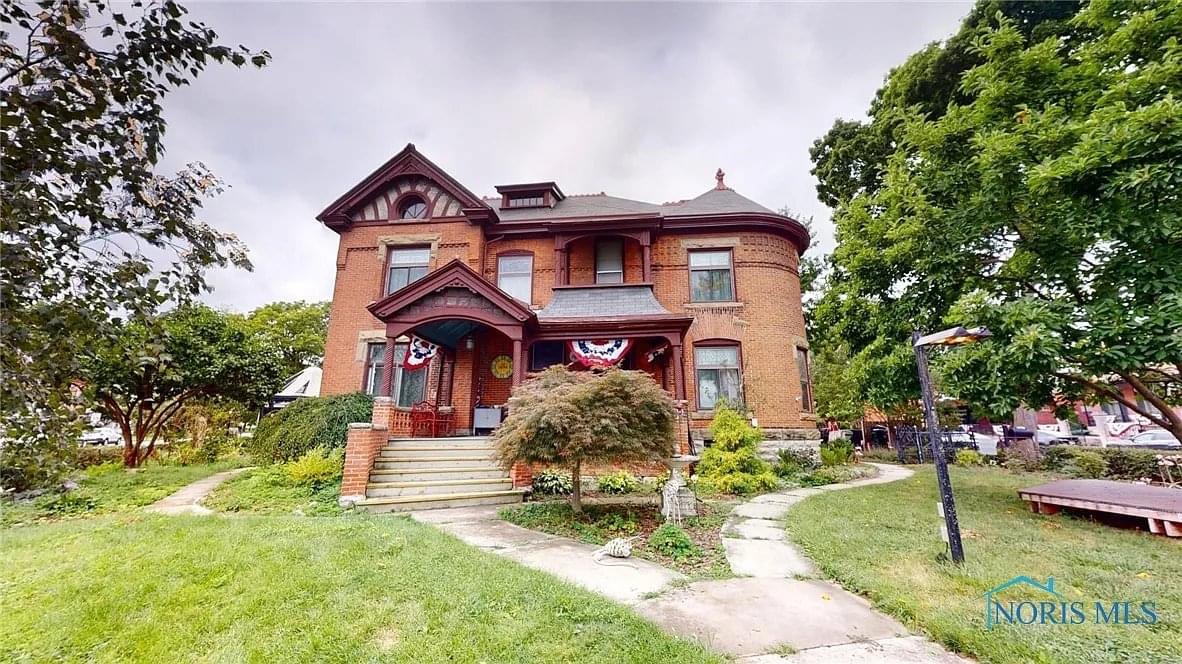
533	195
412	207
526	201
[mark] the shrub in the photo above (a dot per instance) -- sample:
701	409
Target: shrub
1129	464
673	542
1088	465
732	463
577	417
315	467
552	483
969	458
837	452
619	523
1058	457
795	460
618	482
316	422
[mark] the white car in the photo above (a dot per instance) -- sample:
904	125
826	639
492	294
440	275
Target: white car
107	435
1159	439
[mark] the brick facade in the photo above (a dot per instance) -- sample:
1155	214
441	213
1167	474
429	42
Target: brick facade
765	319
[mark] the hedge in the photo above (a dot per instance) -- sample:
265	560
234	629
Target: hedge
316	422
1122	464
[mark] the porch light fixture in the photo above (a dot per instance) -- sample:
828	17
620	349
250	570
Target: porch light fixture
470	343
956	336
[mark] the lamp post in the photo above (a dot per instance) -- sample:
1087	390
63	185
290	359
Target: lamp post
951	337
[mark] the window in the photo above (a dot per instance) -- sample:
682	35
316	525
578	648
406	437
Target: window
526	201
406	265
609	262
410	387
546	353
412	208
710	276
719	376
515	276
806	384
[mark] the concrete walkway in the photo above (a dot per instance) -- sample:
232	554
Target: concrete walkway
480	526
774	607
188	499
777	607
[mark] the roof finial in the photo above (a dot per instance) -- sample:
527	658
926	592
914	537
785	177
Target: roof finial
719	176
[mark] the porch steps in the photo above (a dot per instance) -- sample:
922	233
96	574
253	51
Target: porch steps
431	473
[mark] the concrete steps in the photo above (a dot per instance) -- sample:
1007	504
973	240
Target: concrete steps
441	501
430	473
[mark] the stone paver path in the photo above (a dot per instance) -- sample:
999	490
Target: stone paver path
562	557
188	499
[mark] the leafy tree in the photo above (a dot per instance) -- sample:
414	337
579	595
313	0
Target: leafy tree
88	229
143	375
1042	201
297	329
575	417
835	388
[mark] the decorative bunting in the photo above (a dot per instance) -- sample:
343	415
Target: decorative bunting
599	352
418	354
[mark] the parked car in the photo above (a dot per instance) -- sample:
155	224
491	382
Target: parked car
1054	438
103	435
1157	439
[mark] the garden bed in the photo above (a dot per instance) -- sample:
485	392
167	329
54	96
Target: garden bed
601	522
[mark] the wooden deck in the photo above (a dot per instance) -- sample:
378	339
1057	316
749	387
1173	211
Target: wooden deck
1161	506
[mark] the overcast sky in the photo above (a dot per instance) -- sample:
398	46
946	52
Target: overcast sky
640	101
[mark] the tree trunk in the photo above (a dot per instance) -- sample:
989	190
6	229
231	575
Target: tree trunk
576	494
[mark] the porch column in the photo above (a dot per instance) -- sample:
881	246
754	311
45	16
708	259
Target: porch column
388	368
516	362
678	380
561	278
646	251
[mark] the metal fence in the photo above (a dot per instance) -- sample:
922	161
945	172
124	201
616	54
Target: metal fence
913	445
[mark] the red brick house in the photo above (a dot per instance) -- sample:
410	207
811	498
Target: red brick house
702	293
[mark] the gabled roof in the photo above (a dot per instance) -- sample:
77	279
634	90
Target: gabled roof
407	162
455	273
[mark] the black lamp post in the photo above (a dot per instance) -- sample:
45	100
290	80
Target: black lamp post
951	337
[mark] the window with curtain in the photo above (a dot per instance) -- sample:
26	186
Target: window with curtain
409	387
719	376
609	262
515	276
406	266
710	276
806	383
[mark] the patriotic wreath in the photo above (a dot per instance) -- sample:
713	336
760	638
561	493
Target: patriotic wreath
600	352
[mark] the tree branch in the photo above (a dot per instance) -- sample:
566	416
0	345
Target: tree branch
1115	395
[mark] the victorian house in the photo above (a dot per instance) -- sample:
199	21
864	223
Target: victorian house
444	300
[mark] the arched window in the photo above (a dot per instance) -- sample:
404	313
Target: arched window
412	207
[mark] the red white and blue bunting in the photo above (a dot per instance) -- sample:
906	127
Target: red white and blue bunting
418	354
599	352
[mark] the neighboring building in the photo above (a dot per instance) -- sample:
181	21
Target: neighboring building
704	294
300	386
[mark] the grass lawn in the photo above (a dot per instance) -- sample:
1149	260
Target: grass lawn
149	588
882	541
268	491
600	523
109	488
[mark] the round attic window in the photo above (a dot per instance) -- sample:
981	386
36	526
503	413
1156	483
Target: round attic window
413	208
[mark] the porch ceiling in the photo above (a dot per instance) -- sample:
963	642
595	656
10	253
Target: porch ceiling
446	332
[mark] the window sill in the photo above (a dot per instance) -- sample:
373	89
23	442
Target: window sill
714	305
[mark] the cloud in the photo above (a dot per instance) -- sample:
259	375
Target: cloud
641	101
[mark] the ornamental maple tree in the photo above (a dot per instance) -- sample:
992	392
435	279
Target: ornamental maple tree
571	418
